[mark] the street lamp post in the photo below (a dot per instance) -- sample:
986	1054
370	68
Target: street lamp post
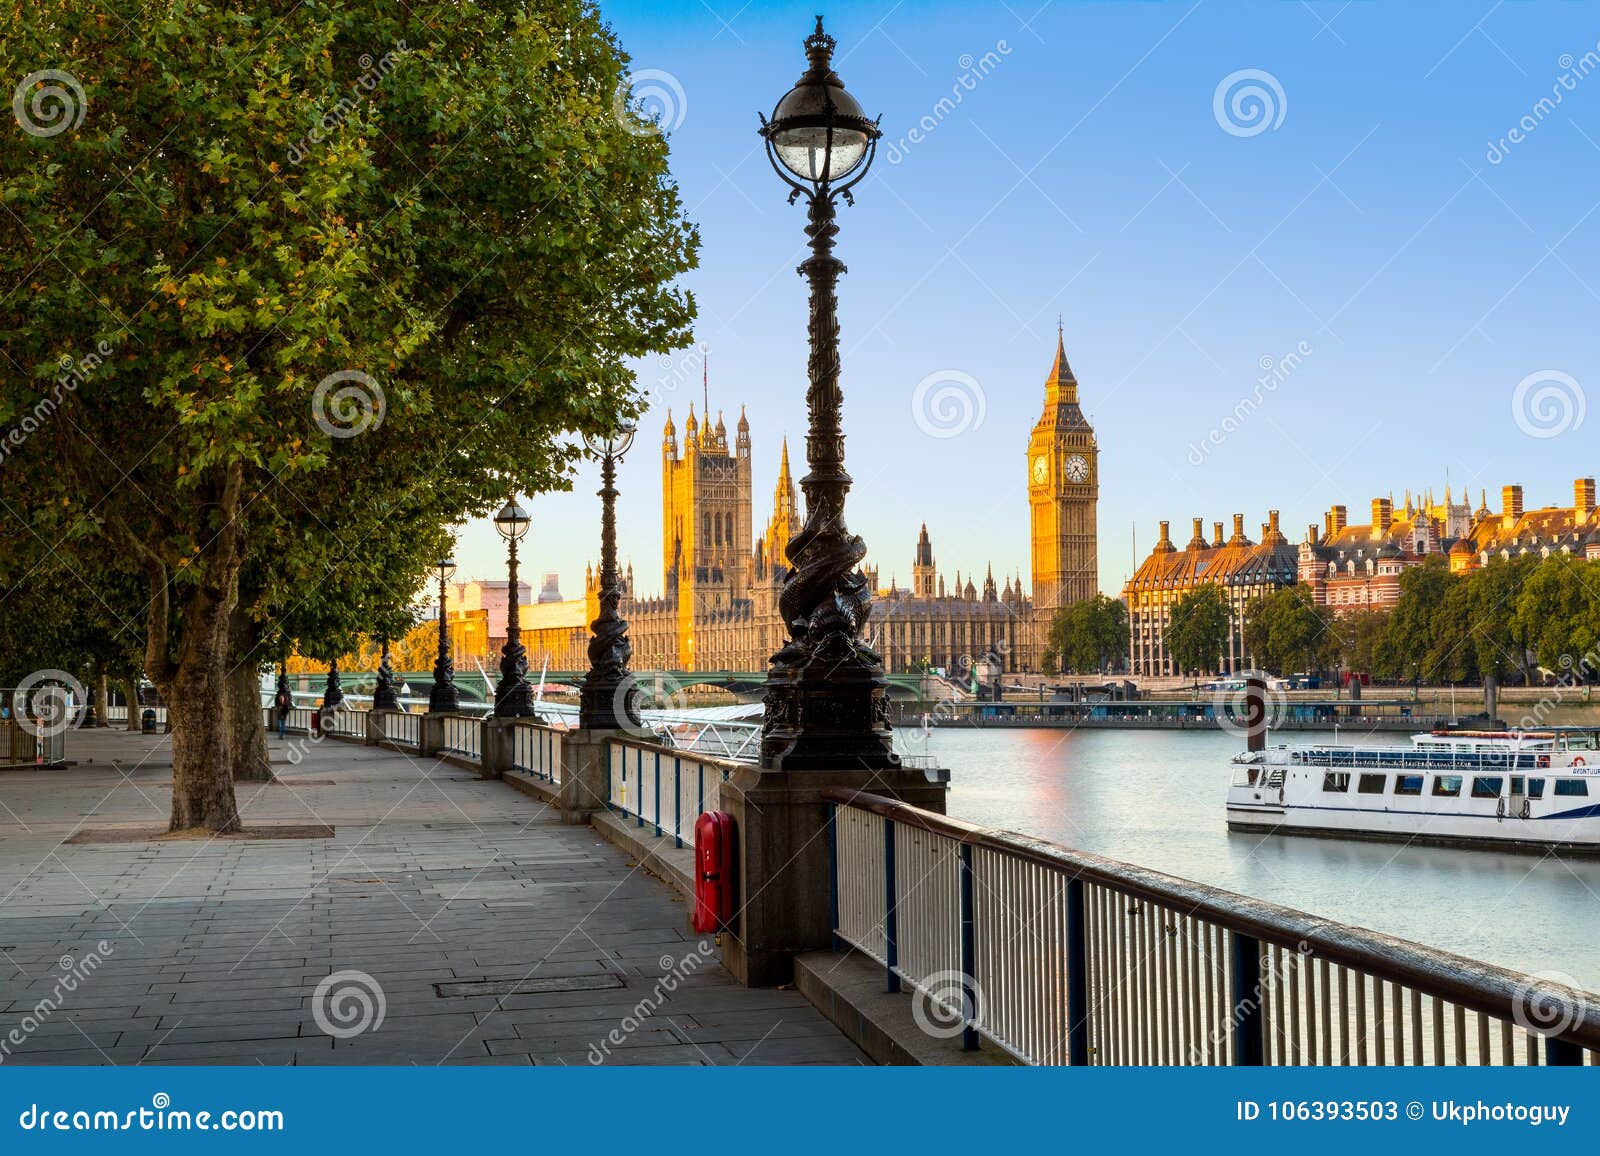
443	698
383	693
609	700
827	696
512	698
333	693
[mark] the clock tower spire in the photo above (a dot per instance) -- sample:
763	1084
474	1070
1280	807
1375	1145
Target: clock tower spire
1063	489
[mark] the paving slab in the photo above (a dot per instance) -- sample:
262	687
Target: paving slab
284	951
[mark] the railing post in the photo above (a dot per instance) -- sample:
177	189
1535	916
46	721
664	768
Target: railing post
833	873
657	811
969	954
1248	1024
677	801
891	936
1560	1053
638	786
1077	976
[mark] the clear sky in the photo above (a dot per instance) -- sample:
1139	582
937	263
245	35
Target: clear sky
1403	217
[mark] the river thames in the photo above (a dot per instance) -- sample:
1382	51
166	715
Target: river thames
1155	798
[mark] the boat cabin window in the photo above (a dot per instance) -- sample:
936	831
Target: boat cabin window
1487	786
1371	784
1447	785
1581	742
1535	788
1336	781
1572	788
1408	785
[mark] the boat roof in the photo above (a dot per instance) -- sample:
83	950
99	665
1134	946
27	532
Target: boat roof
1541	733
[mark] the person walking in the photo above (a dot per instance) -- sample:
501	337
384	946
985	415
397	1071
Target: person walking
283	702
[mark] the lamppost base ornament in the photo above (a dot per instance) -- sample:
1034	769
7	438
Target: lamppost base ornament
610	701
444	698
383	692
513	698
827	713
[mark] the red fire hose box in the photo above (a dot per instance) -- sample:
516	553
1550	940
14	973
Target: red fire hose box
713	871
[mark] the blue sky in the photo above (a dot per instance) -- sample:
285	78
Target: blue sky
1086	174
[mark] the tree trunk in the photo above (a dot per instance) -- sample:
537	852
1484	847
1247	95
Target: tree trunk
131	693
102	700
247	736
196	694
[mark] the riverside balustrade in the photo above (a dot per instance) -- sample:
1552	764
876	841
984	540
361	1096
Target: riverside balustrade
400	727
463	736
537	750
665	789
1062	957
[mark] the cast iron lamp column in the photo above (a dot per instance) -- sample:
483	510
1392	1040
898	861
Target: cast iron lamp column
609	700
512	698
443	698
333	692
827	697
383	693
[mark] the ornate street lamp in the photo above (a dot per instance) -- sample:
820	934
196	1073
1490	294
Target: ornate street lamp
444	698
513	698
283	677
333	693
383	693
609	700
827	696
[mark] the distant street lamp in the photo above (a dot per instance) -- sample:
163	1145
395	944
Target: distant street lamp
444	698
383	693
609	699
333	693
513	698
827	695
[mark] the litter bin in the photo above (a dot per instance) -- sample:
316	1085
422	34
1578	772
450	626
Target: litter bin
147	721
316	722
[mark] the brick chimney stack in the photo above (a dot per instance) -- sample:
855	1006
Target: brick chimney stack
1382	516
1583	498
1510	504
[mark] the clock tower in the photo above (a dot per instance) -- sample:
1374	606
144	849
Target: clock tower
1063	487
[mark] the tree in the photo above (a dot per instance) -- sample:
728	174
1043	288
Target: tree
1478	633
1286	631
1413	623
1558	613
1089	634
1198	630
1360	640
292	252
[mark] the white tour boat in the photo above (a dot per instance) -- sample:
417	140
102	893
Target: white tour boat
1512	790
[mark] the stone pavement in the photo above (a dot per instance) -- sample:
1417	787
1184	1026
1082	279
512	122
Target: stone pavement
484	930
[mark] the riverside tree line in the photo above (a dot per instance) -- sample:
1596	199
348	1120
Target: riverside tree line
307	361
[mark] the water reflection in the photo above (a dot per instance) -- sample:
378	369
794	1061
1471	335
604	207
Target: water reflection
1156	799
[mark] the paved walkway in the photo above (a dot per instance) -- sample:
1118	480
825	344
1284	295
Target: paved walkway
486	931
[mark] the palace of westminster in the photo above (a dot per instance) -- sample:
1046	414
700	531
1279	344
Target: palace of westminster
720	582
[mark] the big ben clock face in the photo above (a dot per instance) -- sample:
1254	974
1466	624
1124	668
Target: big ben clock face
1077	469
1041	469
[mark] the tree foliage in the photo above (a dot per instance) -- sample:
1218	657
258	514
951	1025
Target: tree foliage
304	284
1089	635
1197	631
1286	631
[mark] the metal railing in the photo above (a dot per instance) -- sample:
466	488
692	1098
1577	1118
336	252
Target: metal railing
536	749
463	736
665	788
400	727
346	722
1062	957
